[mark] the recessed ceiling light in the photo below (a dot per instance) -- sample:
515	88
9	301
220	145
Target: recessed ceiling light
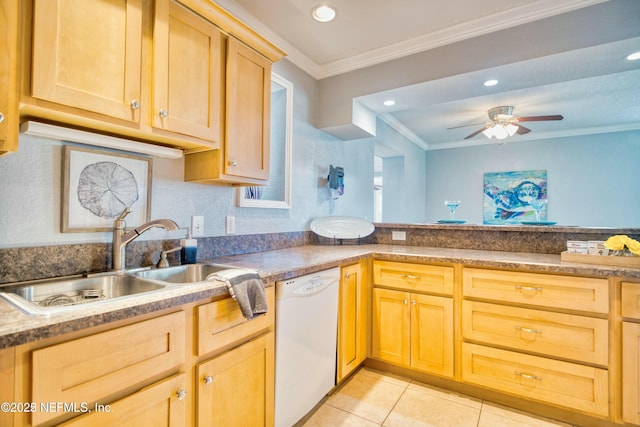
323	13
634	56
389	102
491	82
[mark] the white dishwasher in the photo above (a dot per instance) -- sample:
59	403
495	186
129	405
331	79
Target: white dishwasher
306	334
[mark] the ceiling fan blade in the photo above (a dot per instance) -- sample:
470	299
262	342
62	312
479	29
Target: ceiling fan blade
476	132
522	130
464	126
540	118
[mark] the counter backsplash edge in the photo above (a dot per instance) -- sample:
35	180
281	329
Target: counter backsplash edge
30	263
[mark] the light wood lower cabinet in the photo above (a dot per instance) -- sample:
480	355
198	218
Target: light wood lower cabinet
352	319
92	369
580	338
237	387
631	352
413	330
560	383
159	405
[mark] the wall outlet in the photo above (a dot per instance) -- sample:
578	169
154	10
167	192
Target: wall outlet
197	226
230	225
398	235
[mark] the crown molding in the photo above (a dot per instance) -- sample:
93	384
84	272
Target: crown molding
403	130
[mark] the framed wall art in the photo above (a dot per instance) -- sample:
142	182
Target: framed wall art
98	185
508	196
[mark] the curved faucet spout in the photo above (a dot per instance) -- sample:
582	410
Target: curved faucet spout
121	237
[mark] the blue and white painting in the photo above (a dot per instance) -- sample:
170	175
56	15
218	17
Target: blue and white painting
508	196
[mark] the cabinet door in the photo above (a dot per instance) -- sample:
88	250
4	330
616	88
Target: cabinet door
630	372
352	320
86	54
391	326
237	387
8	76
94	368
187	73
161	405
248	111
432	334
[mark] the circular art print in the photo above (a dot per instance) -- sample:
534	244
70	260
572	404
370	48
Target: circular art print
106	188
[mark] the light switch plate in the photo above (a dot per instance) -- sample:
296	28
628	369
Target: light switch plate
230	225
197	226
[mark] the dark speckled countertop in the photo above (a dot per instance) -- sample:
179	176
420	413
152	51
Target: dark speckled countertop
17	328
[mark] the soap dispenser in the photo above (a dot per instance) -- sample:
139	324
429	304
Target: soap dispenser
189	251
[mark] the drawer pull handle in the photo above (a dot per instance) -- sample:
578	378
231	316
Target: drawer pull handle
529	289
527	376
181	394
411	277
208	380
529	330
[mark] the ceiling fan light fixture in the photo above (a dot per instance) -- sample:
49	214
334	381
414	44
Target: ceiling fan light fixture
324	13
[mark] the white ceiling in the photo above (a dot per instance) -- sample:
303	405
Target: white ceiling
595	88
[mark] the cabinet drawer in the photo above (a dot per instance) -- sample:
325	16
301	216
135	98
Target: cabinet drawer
414	277
221	323
631	300
160	405
567	336
545	290
92	368
565	384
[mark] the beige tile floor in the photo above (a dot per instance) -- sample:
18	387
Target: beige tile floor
371	398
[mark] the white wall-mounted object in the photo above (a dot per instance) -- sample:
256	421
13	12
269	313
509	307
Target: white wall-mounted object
73	135
277	194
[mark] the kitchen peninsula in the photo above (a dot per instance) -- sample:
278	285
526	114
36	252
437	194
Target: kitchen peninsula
549	292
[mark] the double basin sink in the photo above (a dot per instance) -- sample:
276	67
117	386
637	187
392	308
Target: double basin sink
48	296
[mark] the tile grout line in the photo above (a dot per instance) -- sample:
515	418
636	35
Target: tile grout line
406	387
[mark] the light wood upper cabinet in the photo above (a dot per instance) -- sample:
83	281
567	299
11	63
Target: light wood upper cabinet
188	55
87	55
248	112
244	156
352	319
8	76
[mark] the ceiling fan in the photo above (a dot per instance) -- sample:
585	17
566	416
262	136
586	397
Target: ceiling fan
503	124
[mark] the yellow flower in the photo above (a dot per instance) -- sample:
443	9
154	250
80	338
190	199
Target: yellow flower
615	243
619	242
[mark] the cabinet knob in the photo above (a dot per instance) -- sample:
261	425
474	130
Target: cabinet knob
404	301
233	163
181	394
1	117
208	380
413	302
163	113
135	104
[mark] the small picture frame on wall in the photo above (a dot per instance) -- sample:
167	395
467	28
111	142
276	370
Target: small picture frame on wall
98	185
508	196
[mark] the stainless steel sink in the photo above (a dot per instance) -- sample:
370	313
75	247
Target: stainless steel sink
51	296
189	273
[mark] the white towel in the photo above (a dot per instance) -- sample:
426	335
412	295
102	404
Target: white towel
246	287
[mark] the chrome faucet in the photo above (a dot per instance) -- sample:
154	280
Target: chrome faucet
121	237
